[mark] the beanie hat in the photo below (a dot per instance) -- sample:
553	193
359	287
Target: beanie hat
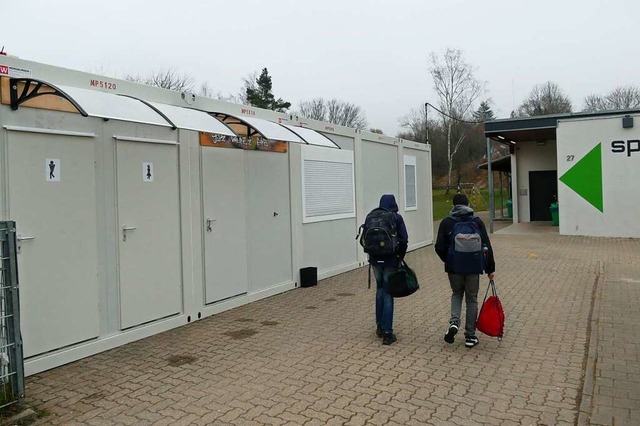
460	199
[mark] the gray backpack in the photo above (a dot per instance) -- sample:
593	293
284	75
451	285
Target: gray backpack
465	254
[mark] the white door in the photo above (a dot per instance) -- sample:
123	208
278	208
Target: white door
224	213
52	198
269	220
149	231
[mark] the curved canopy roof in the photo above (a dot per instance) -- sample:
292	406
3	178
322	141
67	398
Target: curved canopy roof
249	126
107	105
272	130
128	108
191	119
312	137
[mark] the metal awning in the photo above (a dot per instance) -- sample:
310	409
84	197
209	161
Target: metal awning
107	105
502	164
537	128
312	137
191	119
249	126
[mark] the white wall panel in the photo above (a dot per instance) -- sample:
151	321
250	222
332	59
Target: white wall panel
344	142
381	174
620	176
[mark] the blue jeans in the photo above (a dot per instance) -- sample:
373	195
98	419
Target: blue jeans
465	286
384	301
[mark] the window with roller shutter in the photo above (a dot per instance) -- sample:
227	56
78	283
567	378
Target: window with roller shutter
328	185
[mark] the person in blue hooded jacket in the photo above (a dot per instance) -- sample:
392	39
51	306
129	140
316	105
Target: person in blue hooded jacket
463	285
383	266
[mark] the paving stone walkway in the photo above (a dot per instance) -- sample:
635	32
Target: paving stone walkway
310	356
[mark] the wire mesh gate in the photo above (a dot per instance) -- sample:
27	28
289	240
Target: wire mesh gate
11	360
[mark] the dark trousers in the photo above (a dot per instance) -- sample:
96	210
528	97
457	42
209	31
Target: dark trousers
384	301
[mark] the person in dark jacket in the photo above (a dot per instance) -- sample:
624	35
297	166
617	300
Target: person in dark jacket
463	285
383	266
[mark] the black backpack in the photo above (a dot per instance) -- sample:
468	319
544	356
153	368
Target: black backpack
379	233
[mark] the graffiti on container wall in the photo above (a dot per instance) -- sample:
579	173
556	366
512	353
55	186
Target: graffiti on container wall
256	143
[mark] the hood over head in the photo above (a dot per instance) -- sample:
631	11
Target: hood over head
461	210
388	202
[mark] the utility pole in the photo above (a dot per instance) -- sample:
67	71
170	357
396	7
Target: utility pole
490	183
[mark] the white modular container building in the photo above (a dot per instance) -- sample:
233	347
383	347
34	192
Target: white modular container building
586	162
598	169
140	209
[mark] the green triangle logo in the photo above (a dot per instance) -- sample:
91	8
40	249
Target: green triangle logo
585	178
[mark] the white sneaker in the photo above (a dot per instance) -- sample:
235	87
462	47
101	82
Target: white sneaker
471	341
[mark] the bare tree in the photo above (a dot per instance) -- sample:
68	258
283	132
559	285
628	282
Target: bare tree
205	90
625	97
416	125
166	78
234	99
457	90
241	98
546	98
415	121
594	103
248	83
334	111
346	114
103	70
315	109
172	80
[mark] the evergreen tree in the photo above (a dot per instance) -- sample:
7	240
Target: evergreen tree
484	112
261	95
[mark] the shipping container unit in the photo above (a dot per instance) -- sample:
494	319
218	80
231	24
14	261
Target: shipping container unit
579	166
598	169
140	209
403	168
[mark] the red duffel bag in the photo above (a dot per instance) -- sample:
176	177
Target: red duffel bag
491	317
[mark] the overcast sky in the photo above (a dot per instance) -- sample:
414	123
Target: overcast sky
372	53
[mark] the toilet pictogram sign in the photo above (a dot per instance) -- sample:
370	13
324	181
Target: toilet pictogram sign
147	172
53	171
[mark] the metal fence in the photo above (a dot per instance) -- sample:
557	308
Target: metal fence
11	360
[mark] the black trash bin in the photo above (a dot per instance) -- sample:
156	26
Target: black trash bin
308	276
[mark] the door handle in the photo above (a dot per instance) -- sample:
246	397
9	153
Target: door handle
20	239
126	228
